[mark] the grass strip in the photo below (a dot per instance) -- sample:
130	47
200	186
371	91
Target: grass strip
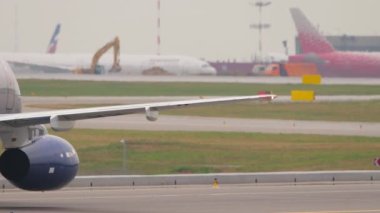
94	88
101	152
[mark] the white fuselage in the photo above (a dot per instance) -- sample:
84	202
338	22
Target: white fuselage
130	64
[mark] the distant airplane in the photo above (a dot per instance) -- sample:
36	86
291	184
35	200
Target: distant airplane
35	160
130	64
52	47
331	63
101	63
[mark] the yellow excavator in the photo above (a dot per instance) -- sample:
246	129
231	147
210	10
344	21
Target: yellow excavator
98	69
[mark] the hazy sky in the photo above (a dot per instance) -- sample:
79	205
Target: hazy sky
212	29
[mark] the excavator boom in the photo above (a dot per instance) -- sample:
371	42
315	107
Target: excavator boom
115	43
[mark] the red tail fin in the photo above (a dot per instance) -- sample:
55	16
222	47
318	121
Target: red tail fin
311	40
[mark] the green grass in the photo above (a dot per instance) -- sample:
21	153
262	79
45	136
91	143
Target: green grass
193	152
93	88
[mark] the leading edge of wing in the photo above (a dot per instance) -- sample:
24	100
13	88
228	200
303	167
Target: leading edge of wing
60	119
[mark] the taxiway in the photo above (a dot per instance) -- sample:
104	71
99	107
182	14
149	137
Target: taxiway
348	198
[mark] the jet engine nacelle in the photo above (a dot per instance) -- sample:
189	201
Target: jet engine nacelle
151	114
47	163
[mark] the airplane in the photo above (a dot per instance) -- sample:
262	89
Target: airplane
331	63
52	47
130	64
101	63
36	161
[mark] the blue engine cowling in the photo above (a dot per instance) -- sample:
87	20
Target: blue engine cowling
48	163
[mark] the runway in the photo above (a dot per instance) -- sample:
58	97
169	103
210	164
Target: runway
205	79
347	198
196	123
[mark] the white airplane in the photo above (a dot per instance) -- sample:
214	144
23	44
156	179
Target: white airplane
130	64
33	159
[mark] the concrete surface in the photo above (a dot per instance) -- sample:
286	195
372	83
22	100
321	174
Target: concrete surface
346	198
328	177
196	123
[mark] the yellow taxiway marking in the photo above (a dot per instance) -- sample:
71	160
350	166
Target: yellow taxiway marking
347	211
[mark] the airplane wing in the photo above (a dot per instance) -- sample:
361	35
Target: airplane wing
61	120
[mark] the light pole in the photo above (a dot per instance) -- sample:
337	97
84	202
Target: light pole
260	26
124	143
16	38
158	27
